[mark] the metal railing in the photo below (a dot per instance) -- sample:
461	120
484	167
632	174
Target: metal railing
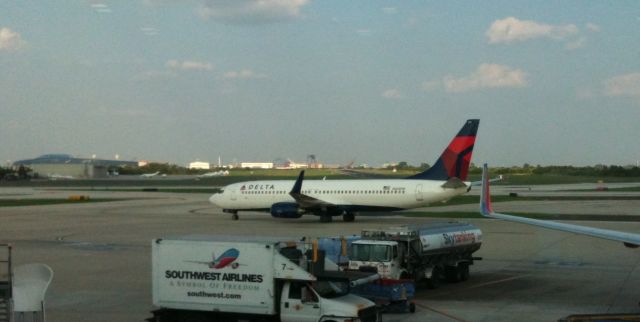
6	282
6	271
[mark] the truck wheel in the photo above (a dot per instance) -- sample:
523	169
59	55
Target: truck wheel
434	281
463	271
348	217
235	217
452	273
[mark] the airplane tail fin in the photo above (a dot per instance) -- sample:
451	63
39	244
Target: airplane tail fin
485	194
455	160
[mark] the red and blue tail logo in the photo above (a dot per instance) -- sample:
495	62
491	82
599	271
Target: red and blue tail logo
228	257
455	160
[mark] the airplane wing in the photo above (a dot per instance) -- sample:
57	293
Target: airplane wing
306	201
629	239
479	183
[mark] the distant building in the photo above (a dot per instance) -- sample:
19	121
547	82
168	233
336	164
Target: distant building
257	165
200	165
295	165
289	164
53	165
390	164
316	165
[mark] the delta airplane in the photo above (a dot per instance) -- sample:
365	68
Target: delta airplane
630	240
328	198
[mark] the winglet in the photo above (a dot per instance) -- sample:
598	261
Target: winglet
297	187
485	194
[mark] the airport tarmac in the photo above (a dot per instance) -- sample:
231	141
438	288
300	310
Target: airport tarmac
100	254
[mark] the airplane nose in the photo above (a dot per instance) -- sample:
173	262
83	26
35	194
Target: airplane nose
215	198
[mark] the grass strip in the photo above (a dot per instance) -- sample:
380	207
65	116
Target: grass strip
43	202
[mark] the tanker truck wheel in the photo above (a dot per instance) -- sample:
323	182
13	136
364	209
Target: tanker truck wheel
452	273
463	271
434	281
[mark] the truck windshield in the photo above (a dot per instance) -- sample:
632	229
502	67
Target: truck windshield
331	289
370	253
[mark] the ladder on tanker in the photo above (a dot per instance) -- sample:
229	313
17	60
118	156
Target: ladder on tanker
6	282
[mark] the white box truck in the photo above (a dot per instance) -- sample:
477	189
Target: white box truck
227	278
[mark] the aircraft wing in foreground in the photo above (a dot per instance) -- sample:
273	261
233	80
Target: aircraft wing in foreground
629	239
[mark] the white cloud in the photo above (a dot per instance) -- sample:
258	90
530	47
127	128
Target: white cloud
512	29
149	31
154	75
623	85
390	10
487	76
430	86
251	11
101	8
585	93
189	65
10	40
593	27
576	44
392	93
244	74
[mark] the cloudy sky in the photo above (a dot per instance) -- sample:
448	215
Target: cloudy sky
371	81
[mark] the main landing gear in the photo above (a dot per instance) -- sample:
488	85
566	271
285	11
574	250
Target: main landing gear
326	218
234	213
348	217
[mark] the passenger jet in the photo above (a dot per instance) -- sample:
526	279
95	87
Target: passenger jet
328	198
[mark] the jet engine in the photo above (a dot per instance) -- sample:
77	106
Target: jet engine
286	210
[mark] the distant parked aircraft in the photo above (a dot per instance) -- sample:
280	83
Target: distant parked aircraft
149	175
328	198
629	239
214	174
55	176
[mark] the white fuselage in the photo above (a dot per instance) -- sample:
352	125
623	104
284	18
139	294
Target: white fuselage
367	194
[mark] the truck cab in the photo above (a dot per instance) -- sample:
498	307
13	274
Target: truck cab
381	256
323	301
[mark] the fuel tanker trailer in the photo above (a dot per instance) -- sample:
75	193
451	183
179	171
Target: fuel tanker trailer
425	253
